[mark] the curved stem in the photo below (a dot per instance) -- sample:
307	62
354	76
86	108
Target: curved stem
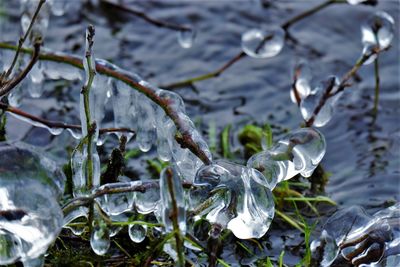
111	70
377	89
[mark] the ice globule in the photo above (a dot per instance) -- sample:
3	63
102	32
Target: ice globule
298	152
100	236
186	38
30	219
148	201
234	198
377	33
146	130
302	75
361	238
172	200
137	232
263	44
326	91
35	88
58	7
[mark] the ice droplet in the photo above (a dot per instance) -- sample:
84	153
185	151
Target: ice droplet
302	83
186	38
148	201
309	104
52	130
137	232
263	44
31	218
378	30
58	7
355	2
100	237
238	201
171	185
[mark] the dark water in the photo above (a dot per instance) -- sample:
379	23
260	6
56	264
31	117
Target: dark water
363	158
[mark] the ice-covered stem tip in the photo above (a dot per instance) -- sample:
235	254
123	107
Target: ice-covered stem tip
329	92
286	25
43	123
23	38
7	85
103	67
145	17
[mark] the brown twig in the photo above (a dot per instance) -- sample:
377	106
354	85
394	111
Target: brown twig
7	86
56	124
241	54
23	38
144	16
111	70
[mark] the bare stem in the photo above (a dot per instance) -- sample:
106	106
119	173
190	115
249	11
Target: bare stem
145	17
111	70
377	88
241	54
23	38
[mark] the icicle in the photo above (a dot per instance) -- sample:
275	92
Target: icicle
100	236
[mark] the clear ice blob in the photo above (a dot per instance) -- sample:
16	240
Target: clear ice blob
31	218
58	7
263	44
171	191
148	201
186	38
310	103
100	236
137	232
302	83
236	200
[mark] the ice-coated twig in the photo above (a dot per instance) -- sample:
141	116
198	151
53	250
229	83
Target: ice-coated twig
377	89
7	85
144	16
57	124
343	84
103	67
23	38
241	54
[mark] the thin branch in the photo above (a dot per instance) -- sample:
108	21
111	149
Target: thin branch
377	89
22	39
106	68
57	124
142	15
241	54
7	86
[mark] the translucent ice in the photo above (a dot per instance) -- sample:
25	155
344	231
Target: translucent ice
171	194
41	24
146	130
30	219
56	71
36	76
309	105
100	236
302	83
263	44
137	232
355	2
186	38
235	199
148	201
58	7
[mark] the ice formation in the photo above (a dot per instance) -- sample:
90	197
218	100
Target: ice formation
325	91
263	44
299	152
239	202
377	32
302	83
30	217
186	38
360	238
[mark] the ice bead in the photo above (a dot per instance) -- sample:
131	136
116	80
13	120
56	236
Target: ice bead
165	132
115	204
77	215
52	130
137	232
186	38
147	202
171	193
302	83
31	218
304	148
274	171
309	105
238	201
263	44
378	30
58	7
36	76
100	236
